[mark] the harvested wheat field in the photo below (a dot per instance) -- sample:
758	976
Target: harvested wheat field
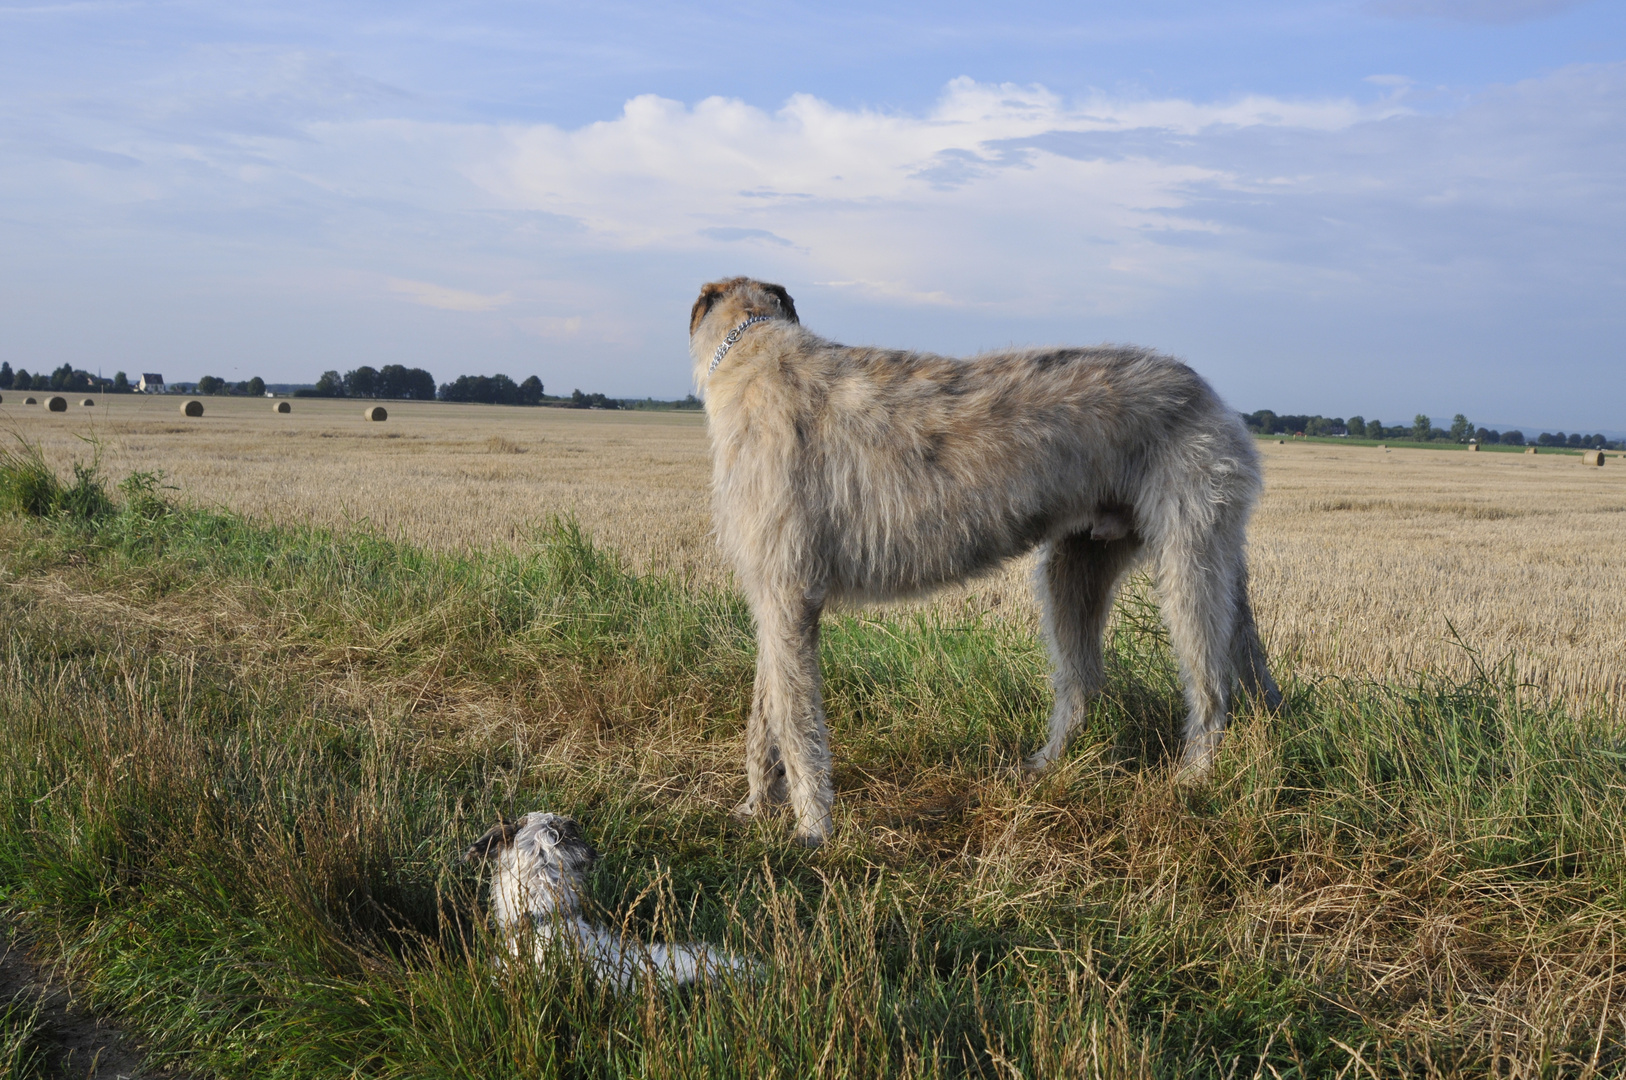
1365	562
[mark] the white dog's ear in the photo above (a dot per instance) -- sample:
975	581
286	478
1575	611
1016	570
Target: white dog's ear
496	838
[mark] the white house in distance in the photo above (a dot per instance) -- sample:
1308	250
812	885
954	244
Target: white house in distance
150	383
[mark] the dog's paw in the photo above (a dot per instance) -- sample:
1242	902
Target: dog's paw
1197	761
1037	764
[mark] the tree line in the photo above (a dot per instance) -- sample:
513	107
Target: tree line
210	385
65	379
415	384
1421	429
395	381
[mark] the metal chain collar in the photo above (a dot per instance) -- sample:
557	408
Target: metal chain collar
728	342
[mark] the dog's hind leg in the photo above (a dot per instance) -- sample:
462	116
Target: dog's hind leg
1076	580
791	707
1248	656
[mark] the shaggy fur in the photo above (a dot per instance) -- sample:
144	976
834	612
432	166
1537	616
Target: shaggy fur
864	473
541	863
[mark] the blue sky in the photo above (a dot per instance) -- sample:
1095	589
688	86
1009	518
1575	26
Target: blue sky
1377	207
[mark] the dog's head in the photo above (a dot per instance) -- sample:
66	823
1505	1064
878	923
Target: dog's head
551	838
541	861
733	300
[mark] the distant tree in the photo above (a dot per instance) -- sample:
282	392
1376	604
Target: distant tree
1374	428
1421	426
255	387
331	384
399	381
530	391
1512	438
66	378
1575	440
22	380
42	382
489	390
1461	430
211	385
579	400
6	375
121	383
361	383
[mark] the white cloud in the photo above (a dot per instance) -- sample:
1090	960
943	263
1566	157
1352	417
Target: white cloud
552	326
964	201
439	296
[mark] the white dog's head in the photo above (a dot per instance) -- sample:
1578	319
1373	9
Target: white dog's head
540	864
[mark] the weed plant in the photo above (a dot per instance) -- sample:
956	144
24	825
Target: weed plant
237	764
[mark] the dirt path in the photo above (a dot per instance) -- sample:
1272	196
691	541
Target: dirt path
76	1043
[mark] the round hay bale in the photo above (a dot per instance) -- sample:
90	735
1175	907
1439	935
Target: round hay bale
30	401
192	408
1591	457
88	402
1473	447
375	412
1281	442
282	407
56	403
1530	449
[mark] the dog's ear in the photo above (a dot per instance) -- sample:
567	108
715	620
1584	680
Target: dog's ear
567	839
786	304
496	838
710	293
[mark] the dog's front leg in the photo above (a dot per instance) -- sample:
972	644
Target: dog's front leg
790	706
764	771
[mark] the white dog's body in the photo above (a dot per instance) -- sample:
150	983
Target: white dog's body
540	863
875	473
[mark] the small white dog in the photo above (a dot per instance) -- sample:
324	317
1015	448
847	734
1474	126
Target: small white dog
541	863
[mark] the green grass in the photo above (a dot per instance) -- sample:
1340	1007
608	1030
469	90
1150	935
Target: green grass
237	764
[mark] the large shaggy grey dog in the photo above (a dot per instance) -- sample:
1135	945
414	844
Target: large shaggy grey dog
872	473
540	864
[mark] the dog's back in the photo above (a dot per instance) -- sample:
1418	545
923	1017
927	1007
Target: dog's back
889	471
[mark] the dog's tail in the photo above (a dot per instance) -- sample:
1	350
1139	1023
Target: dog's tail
698	963
1248	655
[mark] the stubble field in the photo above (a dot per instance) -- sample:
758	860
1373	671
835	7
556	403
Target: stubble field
248	721
1365	563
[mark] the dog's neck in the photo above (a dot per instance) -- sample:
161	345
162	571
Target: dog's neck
732	337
